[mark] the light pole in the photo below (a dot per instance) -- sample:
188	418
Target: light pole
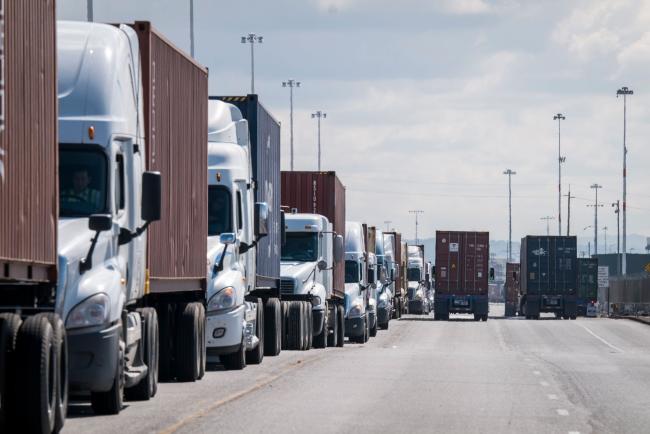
319	115
89	11
625	92
548	218
617	211
252	38
509	172
560	159
596	205
416	212
291	83
387	223
568	217
192	27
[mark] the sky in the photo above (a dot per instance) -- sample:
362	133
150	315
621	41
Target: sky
428	102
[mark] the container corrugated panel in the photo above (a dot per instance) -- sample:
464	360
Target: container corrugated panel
264	133
512	282
29	140
588	278
318	193
548	265
176	133
462	262
396	243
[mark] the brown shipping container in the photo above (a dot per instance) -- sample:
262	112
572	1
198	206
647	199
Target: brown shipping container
399	271
512	283
462	262
318	193
176	130
28	141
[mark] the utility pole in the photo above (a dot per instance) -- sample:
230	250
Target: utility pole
89	11
387	223
605	230
252	38
617	211
291	83
560	159
192	27
625	92
596	205
568	217
319	115
416	212
548	218
509	172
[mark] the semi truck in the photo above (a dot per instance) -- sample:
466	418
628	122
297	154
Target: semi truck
313	267
395	264
587	287
511	289
549	276
132	145
418	303
384	295
462	274
357	321
372	280
33	339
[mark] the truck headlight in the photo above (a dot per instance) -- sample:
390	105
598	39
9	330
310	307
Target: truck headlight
356	309
223	299
383	300
93	311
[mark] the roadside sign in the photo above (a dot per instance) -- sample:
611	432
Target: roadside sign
603	277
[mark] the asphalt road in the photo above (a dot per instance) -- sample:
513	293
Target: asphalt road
506	375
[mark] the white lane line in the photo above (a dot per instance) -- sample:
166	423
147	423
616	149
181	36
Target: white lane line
552	396
537	373
543	383
574	432
613	347
562	412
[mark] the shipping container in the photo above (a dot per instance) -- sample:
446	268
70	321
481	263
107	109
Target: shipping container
462	273
548	275
28	142
318	193
175	119
635	263
587	286
511	288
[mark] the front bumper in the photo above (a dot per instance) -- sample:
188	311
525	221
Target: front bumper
93	355
231	323
355	327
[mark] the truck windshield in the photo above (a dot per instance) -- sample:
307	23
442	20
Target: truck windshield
300	247
413	274
352	274
82	182
219	210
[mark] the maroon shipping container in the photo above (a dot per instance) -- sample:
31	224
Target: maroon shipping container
318	193
176	130
400	271
512	283
28	142
462	262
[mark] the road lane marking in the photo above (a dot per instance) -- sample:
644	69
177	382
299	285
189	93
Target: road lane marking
613	347
562	412
537	373
543	383
552	396
574	432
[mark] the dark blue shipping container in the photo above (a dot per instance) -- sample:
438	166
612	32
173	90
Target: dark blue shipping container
265	149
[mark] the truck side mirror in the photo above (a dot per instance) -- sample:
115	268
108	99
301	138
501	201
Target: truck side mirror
151	196
100	222
227	238
261	219
322	265
339	253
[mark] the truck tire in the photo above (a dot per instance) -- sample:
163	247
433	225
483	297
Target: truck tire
310	326
477	317
305	326
203	350
147	386
9	326
320	341
273	331
284	315
332	338
188	342
235	361
165	344
295	326
373	330
110	402
61	347
340	341
255	356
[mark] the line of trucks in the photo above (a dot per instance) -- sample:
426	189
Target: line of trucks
146	229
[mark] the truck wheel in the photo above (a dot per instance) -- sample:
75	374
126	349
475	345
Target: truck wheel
61	347
477	317
255	356
373	330
320	341
188	342
235	361
366	333
485	317
37	367
340	341
202	338
284	315
332	338
310	326
165	355
572	317
305	326
147	386
9	326
295	326
110	402
273	331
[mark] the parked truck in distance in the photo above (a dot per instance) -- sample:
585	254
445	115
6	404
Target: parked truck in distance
313	267
586	303
395	253
357	321
132	134
548	276
33	339
418	302
511	289
462	274
384	292
372	280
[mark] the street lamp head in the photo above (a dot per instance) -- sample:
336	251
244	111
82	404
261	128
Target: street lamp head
324	115
624	91
559	116
297	84
284	84
243	39
259	39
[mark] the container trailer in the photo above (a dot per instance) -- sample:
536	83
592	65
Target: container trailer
586	303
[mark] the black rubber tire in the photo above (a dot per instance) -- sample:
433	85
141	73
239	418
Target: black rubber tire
203	351
320	340
9	326
284	316
305	326
147	386
110	402
295	327
310	326
188	342
60	341
477	317
256	355
165	344
235	361
332	338
572	317
373	330
273	331
366	334
340	341
485	317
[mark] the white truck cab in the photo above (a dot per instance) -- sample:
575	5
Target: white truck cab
357	323
384	294
418	302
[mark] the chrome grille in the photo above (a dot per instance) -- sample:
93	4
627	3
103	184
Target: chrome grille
287	286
